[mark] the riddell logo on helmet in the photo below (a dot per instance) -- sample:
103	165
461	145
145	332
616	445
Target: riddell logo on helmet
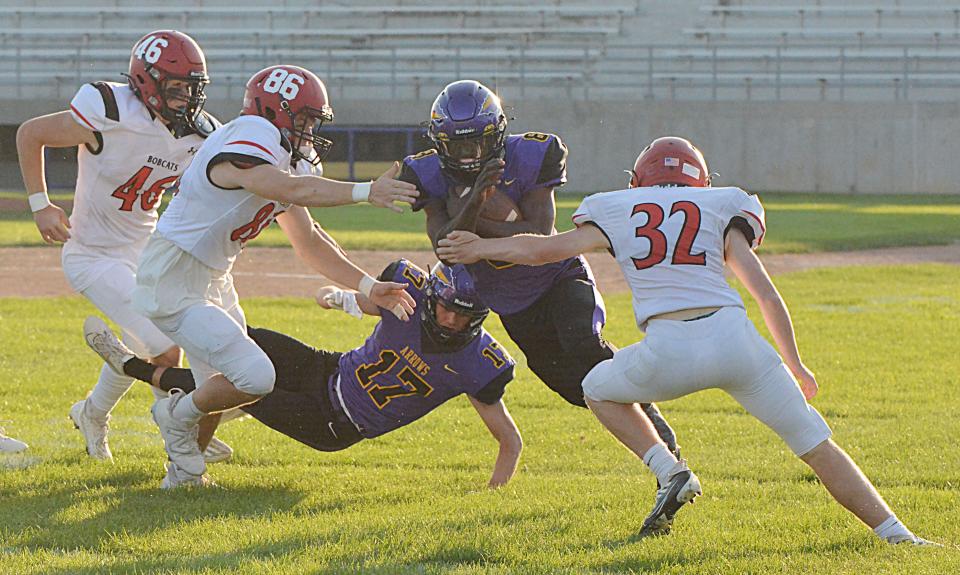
465	131
462	303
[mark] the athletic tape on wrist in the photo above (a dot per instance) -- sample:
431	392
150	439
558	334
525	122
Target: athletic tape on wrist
38	201
366	285
361	191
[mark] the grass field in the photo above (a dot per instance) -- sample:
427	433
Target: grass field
798	223
882	340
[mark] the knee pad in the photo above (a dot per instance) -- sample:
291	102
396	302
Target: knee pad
248	370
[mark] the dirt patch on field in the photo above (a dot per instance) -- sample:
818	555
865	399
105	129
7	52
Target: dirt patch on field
35	272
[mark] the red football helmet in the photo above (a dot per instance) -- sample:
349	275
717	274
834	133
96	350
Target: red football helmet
670	161
294	100
160	58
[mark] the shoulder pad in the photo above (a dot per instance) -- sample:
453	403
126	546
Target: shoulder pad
110	108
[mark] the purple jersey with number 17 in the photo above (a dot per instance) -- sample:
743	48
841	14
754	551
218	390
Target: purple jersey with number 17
396	378
533	160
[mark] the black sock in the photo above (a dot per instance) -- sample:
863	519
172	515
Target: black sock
139	369
172	378
177	378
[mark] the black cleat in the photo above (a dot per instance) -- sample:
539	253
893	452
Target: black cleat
682	488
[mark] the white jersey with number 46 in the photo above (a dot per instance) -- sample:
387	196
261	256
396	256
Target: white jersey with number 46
669	242
121	181
212	223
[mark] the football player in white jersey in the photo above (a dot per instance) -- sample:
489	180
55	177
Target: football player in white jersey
238	183
672	233
134	140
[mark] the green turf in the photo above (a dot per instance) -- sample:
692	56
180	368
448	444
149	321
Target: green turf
797	223
883	342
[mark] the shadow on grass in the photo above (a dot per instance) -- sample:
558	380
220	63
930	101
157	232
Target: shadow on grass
128	510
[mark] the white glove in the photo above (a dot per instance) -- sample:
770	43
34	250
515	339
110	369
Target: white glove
345	301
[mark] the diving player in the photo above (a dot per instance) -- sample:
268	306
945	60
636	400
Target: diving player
330	401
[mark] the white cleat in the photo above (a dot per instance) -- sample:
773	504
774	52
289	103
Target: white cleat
681	489
179	438
217	450
912	539
177	477
10	445
94	431
105	343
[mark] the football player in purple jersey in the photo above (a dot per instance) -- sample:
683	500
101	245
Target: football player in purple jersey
553	312
330	400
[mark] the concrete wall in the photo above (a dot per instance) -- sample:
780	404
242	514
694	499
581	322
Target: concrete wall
906	147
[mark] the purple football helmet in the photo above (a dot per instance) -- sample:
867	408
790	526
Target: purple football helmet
467	127
452	288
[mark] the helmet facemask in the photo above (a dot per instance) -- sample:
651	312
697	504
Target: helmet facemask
468	155
306	133
189	90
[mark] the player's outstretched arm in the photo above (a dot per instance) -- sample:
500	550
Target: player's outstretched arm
532	250
327	258
502	427
750	271
272	183
59	130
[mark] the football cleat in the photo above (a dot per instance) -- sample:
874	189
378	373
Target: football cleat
913	540
94	431
177	477
102	340
9	444
217	450
179	438
681	489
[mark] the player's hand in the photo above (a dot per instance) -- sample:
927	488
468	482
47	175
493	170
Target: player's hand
53	224
386	190
332	297
459	247
327	297
487	180
807	381
394	298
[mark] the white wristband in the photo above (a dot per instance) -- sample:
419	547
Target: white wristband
361	191
38	201
366	285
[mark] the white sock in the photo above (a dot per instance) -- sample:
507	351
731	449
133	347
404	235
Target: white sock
892	529
107	393
660	461
186	410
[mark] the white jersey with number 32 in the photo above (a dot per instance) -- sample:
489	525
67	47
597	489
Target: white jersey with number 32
121	181
212	223
669	242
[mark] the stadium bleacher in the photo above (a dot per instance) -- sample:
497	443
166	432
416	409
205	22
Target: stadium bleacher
706	50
